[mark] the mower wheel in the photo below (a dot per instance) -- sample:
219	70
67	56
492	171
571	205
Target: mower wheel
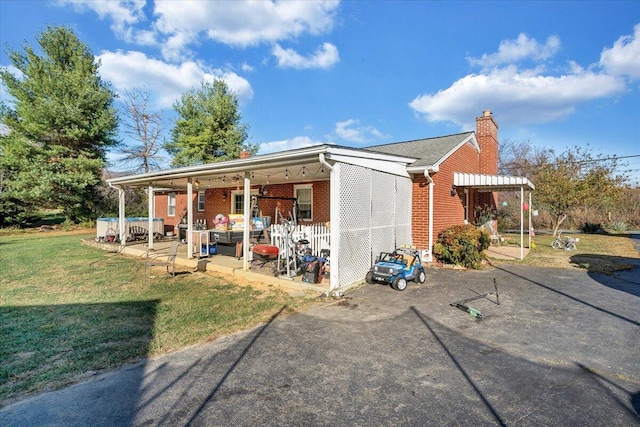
399	284
369	278
421	277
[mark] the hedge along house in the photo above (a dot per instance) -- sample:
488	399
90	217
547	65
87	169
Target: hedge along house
375	198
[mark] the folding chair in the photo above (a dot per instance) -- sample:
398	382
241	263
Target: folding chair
154	259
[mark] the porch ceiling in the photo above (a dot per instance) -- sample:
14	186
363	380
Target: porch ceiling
298	172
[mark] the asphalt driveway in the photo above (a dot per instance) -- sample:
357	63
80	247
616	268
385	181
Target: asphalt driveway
562	348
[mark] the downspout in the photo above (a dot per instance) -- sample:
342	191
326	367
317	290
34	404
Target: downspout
334	235
121	215
427	172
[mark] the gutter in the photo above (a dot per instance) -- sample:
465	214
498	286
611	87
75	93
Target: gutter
427	174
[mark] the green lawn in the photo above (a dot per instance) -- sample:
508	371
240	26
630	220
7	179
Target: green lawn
598	253
68	311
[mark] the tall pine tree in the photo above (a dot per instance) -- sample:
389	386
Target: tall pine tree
58	124
208	127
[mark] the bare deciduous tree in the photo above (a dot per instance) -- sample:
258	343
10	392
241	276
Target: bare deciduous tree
144	126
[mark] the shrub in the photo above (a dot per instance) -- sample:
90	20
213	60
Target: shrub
462	245
591	228
618	227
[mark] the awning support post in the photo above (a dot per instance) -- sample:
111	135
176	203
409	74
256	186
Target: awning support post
151	208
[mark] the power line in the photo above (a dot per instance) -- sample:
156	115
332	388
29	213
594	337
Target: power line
576	162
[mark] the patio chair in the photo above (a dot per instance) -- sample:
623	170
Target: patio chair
163	259
492	228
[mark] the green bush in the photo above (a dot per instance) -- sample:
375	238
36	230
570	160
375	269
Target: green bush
462	245
618	227
591	228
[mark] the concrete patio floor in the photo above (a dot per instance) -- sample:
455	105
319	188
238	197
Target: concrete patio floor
505	252
217	264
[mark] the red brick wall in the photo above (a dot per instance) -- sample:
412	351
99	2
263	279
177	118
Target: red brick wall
215	204
448	210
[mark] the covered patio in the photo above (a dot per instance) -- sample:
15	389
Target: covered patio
351	174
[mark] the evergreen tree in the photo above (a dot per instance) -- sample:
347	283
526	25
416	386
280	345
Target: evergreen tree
57	126
208	127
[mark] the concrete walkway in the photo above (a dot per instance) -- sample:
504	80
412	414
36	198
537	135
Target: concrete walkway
561	348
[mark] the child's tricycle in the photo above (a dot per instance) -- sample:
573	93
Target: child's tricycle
396	268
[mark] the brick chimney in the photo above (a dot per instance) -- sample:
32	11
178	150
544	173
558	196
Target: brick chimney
245	154
487	135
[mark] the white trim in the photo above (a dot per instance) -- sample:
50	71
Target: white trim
471	139
266	160
232	198
204	200
390	167
295	194
171	195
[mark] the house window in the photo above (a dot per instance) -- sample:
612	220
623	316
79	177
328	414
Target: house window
237	201
201	197
171	206
304	194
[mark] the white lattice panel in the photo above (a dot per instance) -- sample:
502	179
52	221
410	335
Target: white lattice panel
355	193
403	211
354	256
374	216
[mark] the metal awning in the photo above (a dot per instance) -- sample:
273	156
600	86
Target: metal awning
497	183
491	182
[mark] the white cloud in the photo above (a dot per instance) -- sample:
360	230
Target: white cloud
247	68
324	57
288	144
123	13
177	25
351	130
518	97
245	23
624	57
531	95
522	48
167	82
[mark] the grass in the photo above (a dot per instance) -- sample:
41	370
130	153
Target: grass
597	253
68	311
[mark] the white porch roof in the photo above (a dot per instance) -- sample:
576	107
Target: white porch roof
491	182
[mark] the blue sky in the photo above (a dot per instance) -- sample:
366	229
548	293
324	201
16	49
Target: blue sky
360	73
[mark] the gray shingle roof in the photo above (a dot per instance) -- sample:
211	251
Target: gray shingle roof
429	151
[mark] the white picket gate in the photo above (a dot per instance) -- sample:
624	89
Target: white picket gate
317	234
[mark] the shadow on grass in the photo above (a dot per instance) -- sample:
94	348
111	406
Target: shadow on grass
47	347
615	272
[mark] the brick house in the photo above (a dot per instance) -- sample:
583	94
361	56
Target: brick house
374	198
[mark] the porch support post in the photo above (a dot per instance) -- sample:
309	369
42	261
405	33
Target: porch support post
334	231
151	206
189	219
521	223
122	221
247	221
530	209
